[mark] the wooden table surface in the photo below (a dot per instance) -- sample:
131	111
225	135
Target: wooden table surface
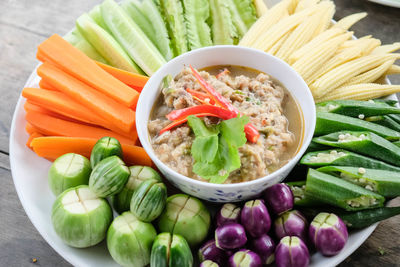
26	23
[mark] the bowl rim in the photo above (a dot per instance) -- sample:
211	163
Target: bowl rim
140	120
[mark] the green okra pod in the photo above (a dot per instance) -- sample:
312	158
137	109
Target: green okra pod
365	218
341	157
316	147
386	121
365	143
385	183
356	108
389	102
354	219
298	189
340	193
330	122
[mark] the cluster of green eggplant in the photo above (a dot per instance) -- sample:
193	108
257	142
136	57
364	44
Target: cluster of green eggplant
82	216
356	157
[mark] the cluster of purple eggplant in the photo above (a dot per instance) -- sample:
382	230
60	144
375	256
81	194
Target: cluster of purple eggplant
244	236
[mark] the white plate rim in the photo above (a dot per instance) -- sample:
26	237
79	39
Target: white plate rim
391	3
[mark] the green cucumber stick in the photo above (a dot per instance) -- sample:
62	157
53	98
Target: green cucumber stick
222	28
105	44
134	41
197	13
77	40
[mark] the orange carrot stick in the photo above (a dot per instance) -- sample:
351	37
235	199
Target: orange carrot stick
52	147
44	85
76	63
60	103
31	137
134	80
29	128
120	116
50	125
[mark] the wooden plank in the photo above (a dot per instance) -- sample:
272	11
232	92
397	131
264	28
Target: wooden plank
19	240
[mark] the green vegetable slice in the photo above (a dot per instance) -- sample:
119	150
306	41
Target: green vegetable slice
148	17
340	193
196	14
385	183
174	18
242	13
222	28
355	108
107	46
76	39
330	122
95	14
340	157
131	37
366	143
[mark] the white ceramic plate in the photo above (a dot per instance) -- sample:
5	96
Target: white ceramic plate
392	3
30	178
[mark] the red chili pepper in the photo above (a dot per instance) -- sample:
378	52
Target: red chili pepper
216	111
252	133
217	97
181	121
200	96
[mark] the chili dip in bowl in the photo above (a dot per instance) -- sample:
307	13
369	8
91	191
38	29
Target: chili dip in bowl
224	123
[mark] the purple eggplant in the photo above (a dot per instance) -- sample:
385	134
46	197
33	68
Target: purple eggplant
328	233
255	218
209	251
229	213
245	258
230	236
209	263
264	246
292	252
291	223
279	198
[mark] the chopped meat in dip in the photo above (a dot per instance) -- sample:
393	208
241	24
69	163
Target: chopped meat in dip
257	96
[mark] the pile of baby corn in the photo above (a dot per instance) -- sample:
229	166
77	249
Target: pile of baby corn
330	60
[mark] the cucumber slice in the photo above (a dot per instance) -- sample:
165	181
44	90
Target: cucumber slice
131	37
222	27
76	39
174	18
129	240
148	17
196	14
95	14
68	171
80	218
105	44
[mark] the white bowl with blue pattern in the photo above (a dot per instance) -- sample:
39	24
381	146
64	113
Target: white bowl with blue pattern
227	55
